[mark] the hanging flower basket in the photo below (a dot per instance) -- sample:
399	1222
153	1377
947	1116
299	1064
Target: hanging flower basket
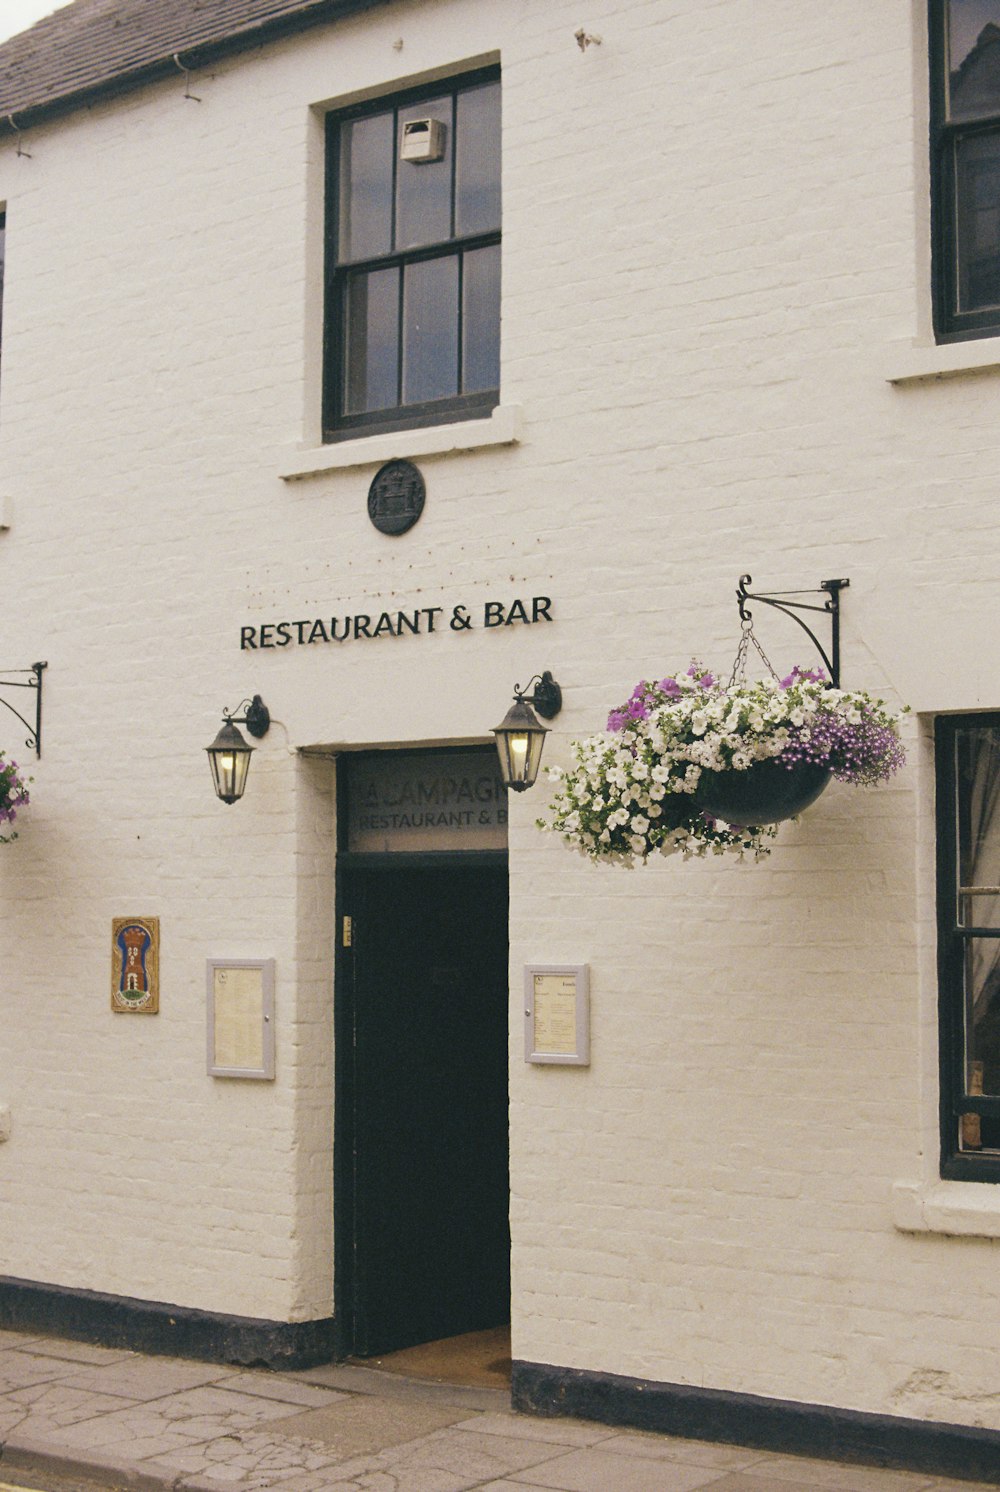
13	795
766	793
690	765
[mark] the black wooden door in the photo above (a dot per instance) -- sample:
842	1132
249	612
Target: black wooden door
431	1242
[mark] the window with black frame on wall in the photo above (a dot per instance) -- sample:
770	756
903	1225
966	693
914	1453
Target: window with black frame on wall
965	163
413	259
968	824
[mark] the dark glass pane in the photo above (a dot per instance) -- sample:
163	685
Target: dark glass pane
977	190
371	378
430	330
977	808
982	1030
423	188
366	151
973	58
477	160
481	320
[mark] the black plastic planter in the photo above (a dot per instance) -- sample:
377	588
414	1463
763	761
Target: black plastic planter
766	793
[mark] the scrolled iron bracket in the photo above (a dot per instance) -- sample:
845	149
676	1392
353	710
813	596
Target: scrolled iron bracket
34	681
781	602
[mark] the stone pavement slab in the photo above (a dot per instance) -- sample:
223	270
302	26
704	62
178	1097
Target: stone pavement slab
763	1481
476	1458
165	1424
21	1369
687	1452
257	1458
169	1425
77	1352
557	1431
597	1470
836	1478
272	1386
144	1378
356	1426
353	1378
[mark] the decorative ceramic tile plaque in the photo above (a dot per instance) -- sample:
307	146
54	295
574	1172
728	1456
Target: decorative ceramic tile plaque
135	965
241	1017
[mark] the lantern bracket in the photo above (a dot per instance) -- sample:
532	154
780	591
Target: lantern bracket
781	601
547	697
34	681
256	717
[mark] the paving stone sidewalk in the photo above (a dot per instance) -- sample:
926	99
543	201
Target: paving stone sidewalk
153	1423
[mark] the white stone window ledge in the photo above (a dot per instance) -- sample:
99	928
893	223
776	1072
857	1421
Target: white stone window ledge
503	428
916	362
963	1209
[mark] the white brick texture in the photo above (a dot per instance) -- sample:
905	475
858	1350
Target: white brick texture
711	229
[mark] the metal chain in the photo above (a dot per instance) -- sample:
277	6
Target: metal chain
747	637
740	661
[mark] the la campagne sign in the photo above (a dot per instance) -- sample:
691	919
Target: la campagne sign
409	621
443	800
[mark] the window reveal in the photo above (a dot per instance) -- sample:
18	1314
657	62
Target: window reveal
413	260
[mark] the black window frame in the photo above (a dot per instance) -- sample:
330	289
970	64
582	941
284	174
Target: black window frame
954	1102
950	323
337	424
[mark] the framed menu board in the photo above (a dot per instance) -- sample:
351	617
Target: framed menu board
241	1017
557	1014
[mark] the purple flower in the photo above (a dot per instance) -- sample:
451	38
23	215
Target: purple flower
862	752
804	676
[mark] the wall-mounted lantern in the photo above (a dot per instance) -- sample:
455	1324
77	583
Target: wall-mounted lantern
229	753
521	735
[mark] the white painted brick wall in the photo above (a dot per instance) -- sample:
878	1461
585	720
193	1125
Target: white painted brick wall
711	242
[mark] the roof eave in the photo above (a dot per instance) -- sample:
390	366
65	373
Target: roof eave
23	116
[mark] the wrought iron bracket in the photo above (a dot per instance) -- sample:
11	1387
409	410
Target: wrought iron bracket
34	739
256	717
547	696
781	601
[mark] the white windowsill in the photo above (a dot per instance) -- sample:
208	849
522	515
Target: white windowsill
913	362
963	1209
503	428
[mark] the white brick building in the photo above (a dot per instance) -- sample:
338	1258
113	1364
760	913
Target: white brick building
717	355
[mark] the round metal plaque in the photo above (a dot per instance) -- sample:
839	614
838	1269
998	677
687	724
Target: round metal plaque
396	497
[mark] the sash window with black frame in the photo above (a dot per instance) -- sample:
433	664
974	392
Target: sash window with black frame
968	814
965	164
413	259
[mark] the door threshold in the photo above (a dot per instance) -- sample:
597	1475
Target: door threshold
476	1359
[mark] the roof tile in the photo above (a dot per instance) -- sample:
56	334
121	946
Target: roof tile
93	45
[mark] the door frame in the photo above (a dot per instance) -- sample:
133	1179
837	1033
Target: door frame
344	1073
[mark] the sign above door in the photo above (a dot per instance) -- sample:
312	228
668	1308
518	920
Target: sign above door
405	802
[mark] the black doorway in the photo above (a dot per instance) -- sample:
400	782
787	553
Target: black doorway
422	1179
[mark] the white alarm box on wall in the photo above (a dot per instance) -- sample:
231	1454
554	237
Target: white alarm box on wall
422	140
